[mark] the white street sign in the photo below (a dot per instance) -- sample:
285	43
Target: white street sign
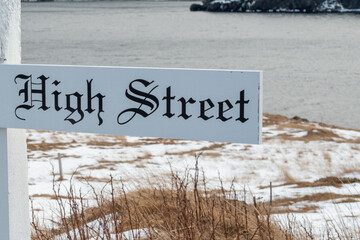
215	105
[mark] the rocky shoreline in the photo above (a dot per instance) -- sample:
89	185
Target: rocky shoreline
291	6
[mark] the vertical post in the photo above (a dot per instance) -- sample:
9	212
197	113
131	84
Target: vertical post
270	194
60	168
14	194
4	186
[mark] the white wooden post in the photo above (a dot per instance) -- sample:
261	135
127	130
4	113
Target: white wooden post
61	177
14	194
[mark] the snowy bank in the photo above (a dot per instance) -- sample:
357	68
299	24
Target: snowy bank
314	168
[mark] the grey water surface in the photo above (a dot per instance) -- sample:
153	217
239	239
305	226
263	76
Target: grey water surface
311	62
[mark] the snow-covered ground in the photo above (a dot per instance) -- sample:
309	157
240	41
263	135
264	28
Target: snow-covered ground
294	155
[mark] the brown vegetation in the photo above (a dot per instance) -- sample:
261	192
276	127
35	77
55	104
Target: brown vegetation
285	205
327	181
182	209
315	131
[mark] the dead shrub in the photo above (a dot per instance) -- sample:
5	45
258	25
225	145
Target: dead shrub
182	208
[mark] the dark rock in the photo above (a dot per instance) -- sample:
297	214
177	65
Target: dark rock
235	6
197	7
350	4
304	6
300	119
291	5
214	7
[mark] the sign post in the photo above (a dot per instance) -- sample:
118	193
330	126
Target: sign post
14	195
215	105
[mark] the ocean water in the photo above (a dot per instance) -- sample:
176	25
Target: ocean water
310	62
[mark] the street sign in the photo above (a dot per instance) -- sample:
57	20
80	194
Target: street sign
215	105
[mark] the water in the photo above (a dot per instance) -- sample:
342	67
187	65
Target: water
311	63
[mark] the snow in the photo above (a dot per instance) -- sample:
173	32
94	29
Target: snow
287	155
347	134
98	225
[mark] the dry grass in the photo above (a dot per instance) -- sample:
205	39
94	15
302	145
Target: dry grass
327	181
315	132
164	141
211	154
182	208
49	196
91	179
43	146
212	147
99	143
283	205
347	200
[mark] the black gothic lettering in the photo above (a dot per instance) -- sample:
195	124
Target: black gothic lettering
56	96
29	91
73	110
168	99
33	93
89	101
146	96
222	111
40	91
56	100
25	92
203	110
183	107
242	103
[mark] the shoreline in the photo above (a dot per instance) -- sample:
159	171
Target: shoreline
247	6
278	6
